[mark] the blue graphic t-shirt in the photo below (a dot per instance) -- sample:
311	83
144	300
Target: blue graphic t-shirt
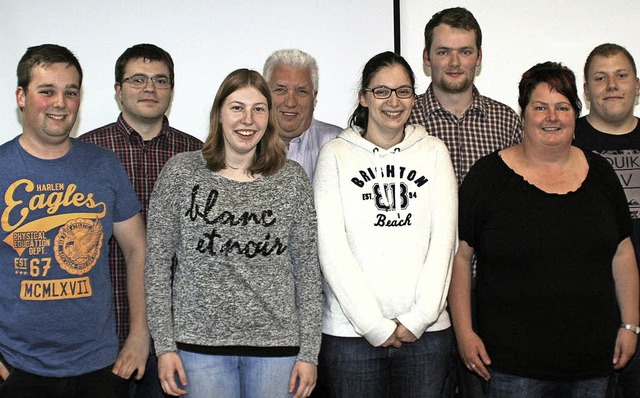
55	289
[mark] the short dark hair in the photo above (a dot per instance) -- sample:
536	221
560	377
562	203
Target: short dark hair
559	77
608	50
45	55
270	154
147	52
360	116
456	17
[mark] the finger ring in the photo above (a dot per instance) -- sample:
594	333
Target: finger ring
473	365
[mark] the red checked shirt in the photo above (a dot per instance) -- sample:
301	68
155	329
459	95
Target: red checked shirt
143	161
486	126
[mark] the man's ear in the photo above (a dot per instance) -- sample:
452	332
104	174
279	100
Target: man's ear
20	97
425	58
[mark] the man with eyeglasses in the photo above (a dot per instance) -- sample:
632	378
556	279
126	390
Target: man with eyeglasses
292	76
470	124
144	141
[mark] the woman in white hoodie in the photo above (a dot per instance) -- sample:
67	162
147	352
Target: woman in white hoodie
386	199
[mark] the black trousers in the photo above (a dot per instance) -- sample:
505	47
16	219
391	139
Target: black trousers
98	384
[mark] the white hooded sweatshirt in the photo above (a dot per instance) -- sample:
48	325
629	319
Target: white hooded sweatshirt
387	234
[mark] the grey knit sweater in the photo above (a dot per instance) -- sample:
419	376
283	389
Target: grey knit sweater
247	271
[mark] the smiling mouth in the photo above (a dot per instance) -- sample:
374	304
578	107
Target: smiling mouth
393	114
551	129
56	117
246	133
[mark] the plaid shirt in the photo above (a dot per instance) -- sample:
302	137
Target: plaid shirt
143	162
487	126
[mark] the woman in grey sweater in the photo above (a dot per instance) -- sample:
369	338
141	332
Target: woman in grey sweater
241	316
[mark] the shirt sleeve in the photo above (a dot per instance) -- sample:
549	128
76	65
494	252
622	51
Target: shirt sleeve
306	271
433	282
162	239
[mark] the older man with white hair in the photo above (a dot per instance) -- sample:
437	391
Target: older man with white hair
292	75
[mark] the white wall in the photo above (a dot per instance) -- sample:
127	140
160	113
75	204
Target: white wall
207	40
517	34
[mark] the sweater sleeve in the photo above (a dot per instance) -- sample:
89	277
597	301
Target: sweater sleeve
306	272
433	283
340	268
162	241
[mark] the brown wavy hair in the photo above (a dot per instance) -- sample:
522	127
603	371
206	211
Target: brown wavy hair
270	153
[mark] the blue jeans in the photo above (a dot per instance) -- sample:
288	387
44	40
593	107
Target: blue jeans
628	379
351	367
236	376
503	385
101	383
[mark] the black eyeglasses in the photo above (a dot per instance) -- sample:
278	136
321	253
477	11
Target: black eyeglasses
140	81
384	92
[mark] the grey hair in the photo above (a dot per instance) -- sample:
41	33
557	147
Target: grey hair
294	58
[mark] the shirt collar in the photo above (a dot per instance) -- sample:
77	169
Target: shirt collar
301	137
133	134
432	105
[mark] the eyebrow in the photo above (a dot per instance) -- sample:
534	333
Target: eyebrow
144	74
548	104
286	86
51	85
244	103
455	48
615	71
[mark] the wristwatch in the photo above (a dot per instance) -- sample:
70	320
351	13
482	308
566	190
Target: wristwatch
635	329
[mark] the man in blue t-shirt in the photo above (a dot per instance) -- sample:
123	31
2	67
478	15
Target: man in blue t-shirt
62	201
611	129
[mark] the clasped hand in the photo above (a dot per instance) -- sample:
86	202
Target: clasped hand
399	336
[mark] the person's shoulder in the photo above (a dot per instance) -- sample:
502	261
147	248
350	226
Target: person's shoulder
344	139
8	148
323	126
322	131
189	157
583	126
418	130
292	169
418	134
183	164
484	165
489	159
89	153
89	148
596	161
492	105
99	133
186	137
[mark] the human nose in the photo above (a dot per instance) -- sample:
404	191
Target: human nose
59	101
393	99
150	85
247	117
552	114
454	59
612	83
290	99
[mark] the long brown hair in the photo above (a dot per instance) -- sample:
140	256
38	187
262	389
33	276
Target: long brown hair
270	154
